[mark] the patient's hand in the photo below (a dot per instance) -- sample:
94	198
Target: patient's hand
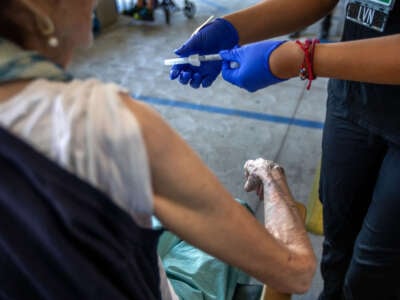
261	172
283	216
269	181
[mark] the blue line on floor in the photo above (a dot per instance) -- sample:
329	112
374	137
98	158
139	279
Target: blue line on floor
233	112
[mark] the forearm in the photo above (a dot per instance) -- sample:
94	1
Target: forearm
271	18
371	60
282	216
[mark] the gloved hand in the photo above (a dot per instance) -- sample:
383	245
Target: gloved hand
212	38
254	71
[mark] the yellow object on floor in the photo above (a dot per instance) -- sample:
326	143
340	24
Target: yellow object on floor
314	221
271	294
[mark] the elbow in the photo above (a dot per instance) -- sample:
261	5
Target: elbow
302	275
298	276
304	284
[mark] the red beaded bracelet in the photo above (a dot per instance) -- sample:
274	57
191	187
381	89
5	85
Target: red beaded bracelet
306	68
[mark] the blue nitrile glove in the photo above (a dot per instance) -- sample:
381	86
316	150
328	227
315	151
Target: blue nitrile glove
212	38
253	72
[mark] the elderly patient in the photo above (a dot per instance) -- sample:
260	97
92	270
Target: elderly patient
122	147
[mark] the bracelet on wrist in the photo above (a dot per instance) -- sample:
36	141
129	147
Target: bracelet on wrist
306	68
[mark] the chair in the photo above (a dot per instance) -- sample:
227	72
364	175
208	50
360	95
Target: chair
169	7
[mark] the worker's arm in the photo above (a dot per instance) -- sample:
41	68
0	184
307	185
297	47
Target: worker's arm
271	18
190	201
374	60
264	20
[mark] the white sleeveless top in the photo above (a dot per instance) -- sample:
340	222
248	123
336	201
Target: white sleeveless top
85	127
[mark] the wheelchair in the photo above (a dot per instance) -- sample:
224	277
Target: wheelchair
169	7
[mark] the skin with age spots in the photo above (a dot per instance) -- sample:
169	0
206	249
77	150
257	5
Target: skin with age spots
281	214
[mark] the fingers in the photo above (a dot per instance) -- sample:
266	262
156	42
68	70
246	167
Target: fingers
230	59
209	79
213	37
188	48
260	165
196	80
260	171
185	73
228	54
229	74
174	72
181	50
231	66
185	77
253	182
203	75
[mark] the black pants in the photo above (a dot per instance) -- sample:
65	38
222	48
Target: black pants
360	192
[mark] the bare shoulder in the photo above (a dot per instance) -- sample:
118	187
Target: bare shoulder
139	109
156	132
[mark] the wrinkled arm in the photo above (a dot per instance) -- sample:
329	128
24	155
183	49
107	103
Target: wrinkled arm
281	212
271	18
190	201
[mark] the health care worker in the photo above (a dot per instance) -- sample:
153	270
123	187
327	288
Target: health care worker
360	175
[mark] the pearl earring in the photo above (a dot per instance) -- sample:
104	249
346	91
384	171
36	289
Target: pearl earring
44	23
53	42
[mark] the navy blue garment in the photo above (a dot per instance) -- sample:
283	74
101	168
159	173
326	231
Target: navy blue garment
60	238
360	190
360	183
372	106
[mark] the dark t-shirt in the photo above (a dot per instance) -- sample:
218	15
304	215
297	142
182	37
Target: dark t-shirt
373	106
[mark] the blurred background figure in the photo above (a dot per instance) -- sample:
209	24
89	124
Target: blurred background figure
143	10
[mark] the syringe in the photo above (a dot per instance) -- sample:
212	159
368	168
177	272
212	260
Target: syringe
196	59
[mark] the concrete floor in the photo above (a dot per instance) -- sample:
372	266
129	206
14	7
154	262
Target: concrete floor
224	124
